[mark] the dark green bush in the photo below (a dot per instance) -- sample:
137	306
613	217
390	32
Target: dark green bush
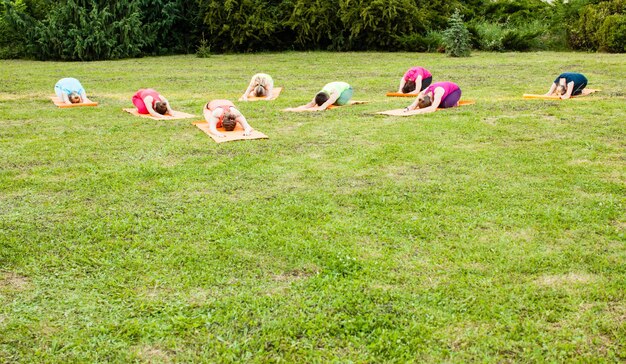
612	34
168	26
245	25
584	31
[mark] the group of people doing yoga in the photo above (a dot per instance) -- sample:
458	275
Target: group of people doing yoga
223	113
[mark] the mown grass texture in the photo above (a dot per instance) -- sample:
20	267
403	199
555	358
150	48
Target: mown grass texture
492	232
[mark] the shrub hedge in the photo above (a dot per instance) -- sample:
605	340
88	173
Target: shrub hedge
100	29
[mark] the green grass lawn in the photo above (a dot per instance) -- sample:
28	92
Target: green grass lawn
492	233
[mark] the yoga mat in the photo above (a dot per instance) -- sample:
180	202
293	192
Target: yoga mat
330	107
175	115
275	92
58	102
236	134
586	91
401	112
399	94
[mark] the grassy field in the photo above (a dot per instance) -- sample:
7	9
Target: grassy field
493	233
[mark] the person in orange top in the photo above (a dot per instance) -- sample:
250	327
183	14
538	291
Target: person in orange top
222	113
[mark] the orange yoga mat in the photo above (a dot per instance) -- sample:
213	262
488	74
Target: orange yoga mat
236	134
399	94
176	115
275	92
354	102
58	102
586	91
401	112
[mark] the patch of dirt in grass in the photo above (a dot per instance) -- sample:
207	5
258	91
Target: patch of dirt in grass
13	282
566	279
296	274
153	354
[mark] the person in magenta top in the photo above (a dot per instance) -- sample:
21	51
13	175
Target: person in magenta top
148	101
415	80
223	113
437	95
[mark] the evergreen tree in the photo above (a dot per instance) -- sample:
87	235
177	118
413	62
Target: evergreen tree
457	37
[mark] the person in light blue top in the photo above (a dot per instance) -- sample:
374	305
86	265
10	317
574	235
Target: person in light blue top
334	93
70	91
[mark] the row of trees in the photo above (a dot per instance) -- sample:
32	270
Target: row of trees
100	29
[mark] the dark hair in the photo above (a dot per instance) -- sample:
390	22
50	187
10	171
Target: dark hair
260	91
160	107
409	86
74	97
229	122
321	98
424	102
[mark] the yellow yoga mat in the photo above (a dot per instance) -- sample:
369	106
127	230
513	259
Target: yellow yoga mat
175	115
401	112
399	94
586	91
275	93
236	134
58	102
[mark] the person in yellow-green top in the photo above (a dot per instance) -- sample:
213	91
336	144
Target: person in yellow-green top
334	93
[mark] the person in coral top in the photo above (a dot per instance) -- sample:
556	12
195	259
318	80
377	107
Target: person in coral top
222	113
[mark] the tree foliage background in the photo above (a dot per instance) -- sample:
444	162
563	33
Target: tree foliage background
99	29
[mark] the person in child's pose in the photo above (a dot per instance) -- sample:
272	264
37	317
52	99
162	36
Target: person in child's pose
415	80
222	113
568	84
261	85
437	95
70	91
148	101
334	93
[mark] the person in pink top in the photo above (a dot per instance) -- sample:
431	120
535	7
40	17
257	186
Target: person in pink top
148	101
222	113
415	80
437	95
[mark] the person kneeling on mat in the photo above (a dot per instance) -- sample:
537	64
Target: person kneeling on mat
70	91
261	85
415	80
222	113
568	84
437	95
334	93
148	101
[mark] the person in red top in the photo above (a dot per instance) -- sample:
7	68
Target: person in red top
222	113
148	101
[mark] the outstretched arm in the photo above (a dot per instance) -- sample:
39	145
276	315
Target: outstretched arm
437	97
167	104
310	106
148	102
413	105
568	93
402	82
270	87
248	90
552	89
334	95
83	97
247	129
418	85
212	117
